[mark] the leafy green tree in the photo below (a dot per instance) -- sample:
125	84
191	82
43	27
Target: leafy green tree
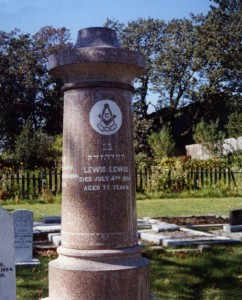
234	125
209	135
172	69
219	47
162	143
144	36
56	150
49	40
192	62
27	91
32	147
142	129
176	73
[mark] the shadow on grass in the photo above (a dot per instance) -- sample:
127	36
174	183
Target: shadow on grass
32	282
214	274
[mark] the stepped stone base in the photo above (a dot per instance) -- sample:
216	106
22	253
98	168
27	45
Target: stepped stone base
104	275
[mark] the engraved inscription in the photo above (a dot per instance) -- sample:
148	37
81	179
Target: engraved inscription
4	270
101	177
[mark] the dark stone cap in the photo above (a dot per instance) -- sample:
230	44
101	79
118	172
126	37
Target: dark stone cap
97	56
97	37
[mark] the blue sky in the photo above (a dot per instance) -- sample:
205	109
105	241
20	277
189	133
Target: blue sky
30	15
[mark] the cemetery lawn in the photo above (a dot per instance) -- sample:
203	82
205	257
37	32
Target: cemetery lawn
215	273
147	207
32	282
40	209
187	206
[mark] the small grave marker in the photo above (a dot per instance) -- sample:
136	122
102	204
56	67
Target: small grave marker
7	257
52	219
23	237
235	217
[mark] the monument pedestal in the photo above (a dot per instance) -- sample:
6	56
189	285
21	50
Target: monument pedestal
99	258
107	274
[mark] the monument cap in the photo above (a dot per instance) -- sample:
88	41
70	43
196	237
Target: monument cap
97	37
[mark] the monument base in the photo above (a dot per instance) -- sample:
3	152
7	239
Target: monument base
120	274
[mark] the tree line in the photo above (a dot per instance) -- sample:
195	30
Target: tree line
30	99
193	75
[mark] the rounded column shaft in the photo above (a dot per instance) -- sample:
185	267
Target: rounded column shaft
98	204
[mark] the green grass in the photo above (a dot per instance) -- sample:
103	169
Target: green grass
32	282
189	206
40	209
213	274
148	207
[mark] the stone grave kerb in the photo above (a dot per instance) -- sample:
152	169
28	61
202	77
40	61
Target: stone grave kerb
99	257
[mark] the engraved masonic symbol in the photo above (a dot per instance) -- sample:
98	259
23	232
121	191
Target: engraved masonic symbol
105	117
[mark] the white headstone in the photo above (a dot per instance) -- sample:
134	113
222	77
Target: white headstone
23	236
7	257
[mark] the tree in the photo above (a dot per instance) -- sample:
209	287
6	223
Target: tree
144	36
33	147
209	135
56	150
16	58
142	129
49	40
162	143
172	68
27	92
176	72
192	62
220	50
234	125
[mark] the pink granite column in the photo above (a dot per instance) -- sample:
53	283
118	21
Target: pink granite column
99	257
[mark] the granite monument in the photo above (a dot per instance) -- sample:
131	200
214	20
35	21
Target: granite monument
99	257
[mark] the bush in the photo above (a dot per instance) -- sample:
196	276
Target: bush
168	174
234	126
162	143
209	135
213	177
